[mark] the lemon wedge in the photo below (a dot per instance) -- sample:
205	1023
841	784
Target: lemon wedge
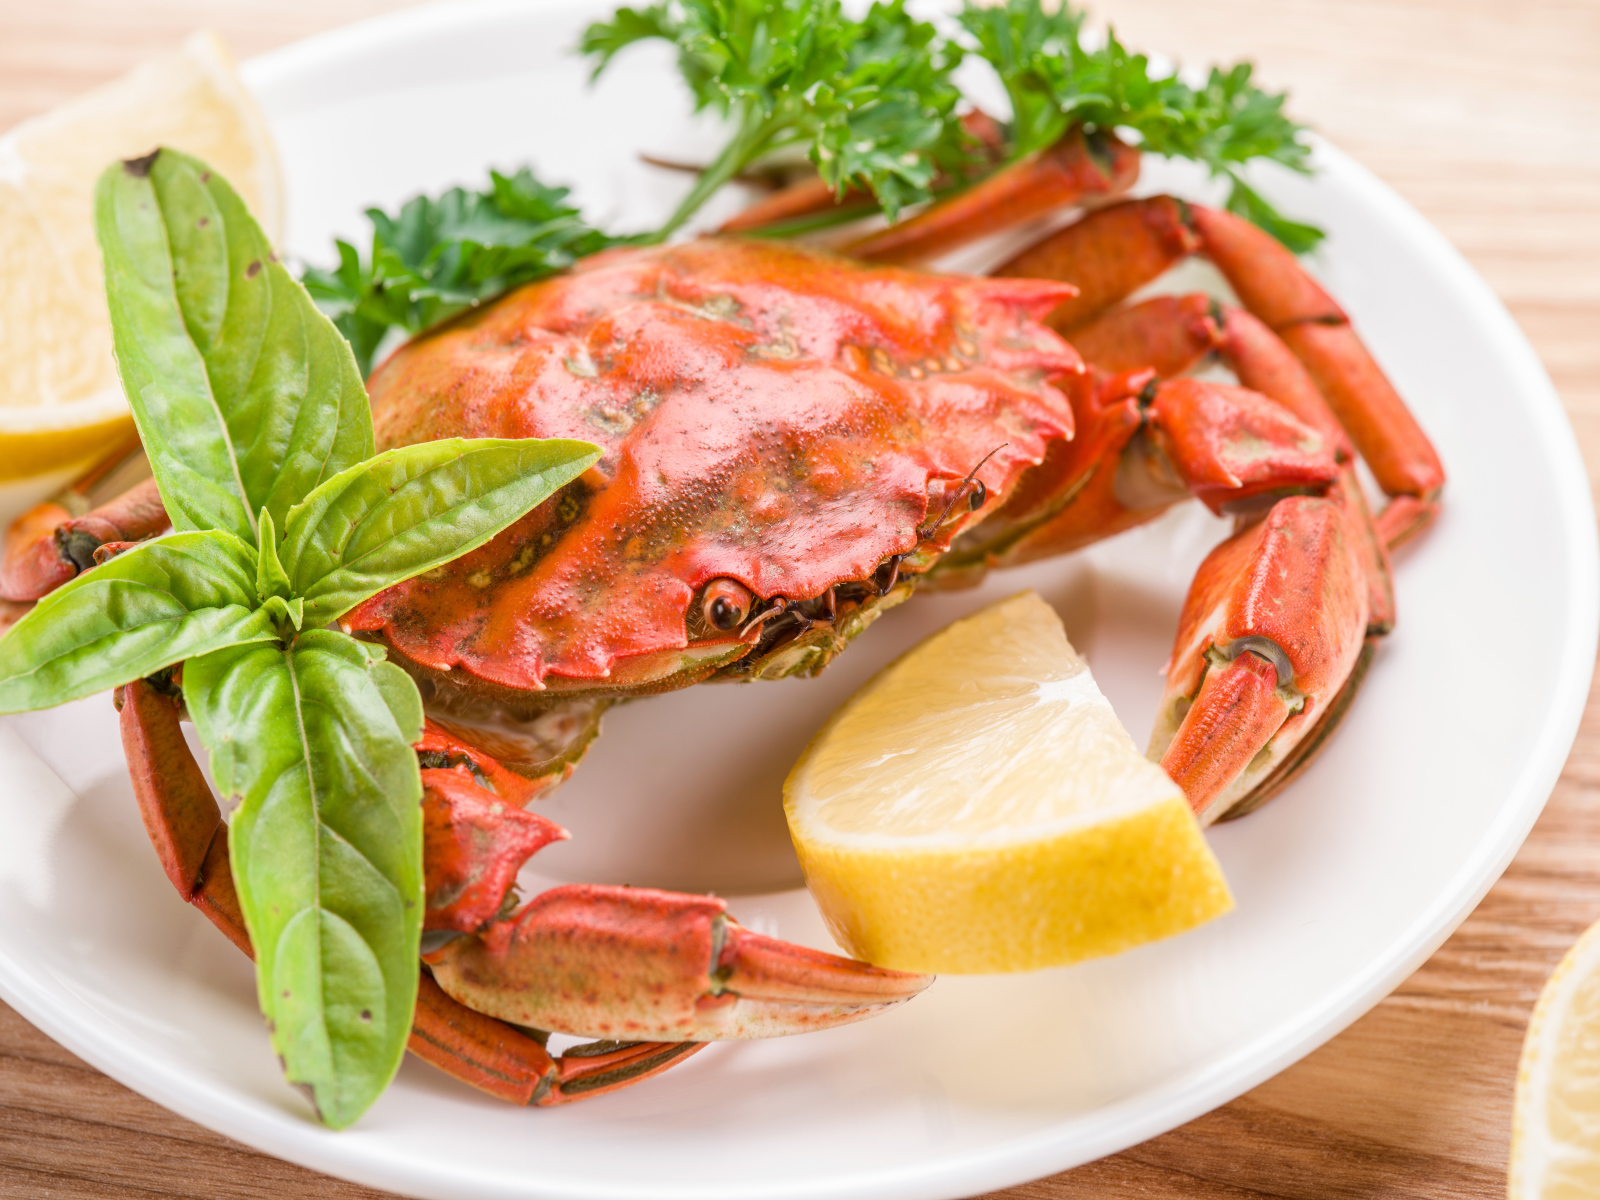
1555	1127
60	404
978	807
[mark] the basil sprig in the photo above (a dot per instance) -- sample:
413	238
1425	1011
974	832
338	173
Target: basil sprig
255	421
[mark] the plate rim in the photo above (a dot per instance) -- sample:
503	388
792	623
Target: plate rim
1115	1126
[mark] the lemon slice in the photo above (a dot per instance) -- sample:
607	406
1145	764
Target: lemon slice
60	403
978	807
1555	1128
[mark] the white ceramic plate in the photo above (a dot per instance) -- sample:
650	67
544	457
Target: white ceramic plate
1344	884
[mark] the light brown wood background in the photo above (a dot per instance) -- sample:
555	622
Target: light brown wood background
1486	116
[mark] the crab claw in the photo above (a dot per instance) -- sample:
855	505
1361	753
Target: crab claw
474	843
640	964
1271	634
1232	447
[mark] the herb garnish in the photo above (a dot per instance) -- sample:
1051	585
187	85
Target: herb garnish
1054	82
871	101
255	420
437	257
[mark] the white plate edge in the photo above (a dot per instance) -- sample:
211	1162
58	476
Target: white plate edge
1117	1126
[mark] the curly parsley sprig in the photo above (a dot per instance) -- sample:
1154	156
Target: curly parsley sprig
870	101
1053	81
436	257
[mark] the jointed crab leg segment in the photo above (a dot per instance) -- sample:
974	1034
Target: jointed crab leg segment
514	1066
618	962
1108	255
180	813
1271	284
47	545
1168	334
1078	167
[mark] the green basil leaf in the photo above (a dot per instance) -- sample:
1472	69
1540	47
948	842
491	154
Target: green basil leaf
409	510
271	580
314	744
244	393
157	604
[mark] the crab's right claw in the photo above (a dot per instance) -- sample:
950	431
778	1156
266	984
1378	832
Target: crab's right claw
639	964
1272	631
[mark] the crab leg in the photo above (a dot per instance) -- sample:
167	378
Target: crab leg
46	546
1272	285
184	823
802	199
475	842
812	195
1108	254
613	962
1078	167
1167	334
618	962
1114	251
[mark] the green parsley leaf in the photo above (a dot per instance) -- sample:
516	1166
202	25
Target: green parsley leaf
870	101
436	257
1053	82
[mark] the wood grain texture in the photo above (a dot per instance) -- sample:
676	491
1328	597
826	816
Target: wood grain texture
1486	116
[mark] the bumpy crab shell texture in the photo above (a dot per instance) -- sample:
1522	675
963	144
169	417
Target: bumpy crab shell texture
769	414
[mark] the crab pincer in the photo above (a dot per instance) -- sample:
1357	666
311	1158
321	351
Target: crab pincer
1249	683
637	963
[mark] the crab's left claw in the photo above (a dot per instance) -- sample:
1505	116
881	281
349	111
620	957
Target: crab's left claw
640	964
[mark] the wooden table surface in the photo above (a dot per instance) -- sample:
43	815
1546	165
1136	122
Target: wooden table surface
1484	115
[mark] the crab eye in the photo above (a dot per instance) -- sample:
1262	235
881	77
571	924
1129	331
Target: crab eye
725	603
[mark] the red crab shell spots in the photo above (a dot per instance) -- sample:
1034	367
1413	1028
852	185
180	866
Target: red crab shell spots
768	413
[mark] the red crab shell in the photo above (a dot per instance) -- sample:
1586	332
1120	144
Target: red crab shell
769	414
